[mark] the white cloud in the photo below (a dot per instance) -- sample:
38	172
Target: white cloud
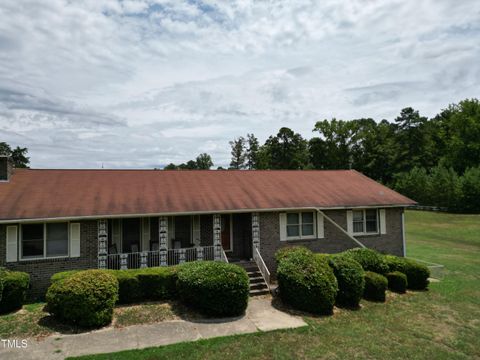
144	83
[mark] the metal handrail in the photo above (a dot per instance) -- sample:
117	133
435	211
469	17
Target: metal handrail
224	256
257	257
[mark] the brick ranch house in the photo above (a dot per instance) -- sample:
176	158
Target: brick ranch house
56	220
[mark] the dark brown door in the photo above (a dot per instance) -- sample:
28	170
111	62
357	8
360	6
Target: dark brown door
226	240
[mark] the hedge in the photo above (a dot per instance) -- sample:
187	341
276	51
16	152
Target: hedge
417	274
214	288
397	282
138	284
15	286
351	281
370	259
306	282
85	298
375	286
157	283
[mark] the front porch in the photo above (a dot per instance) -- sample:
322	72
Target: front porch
142	242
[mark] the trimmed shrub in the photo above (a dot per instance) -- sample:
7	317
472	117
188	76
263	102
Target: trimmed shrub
129	289
375	286
397	282
158	283
306	282
62	275
370	259
15	286
285	252
85	298
214	288
351	281
417	274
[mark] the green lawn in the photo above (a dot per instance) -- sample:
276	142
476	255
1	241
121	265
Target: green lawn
442	323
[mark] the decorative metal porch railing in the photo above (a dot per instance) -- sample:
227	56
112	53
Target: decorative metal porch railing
147	259
261	265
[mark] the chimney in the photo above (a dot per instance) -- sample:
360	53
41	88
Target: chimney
6	168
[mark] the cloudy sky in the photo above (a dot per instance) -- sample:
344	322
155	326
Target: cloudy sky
140	84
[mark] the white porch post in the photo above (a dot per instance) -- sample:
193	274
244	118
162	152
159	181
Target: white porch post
217	245
256	230
102	243
163	239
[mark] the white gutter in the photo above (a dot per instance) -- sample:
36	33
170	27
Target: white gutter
341	228
105	216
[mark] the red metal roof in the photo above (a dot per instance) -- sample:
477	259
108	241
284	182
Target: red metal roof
37	194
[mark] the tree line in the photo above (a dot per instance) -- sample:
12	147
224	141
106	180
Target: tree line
435	161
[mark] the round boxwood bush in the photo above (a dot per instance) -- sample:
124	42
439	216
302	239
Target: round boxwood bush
306	282
85	299
60	276
214	288
351	281
15	286
417	274
285	252
370	260
397	282
375	286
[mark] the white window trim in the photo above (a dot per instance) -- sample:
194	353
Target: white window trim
300	237
365	233
44	255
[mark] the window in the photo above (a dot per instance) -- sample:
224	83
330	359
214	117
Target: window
365	221
44	240
32	240
300	225
57	239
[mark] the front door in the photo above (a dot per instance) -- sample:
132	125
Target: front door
226	233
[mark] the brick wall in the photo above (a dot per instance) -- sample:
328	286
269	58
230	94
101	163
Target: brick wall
41	270
334	240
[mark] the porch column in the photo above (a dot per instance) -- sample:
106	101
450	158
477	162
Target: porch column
217	245
256	230
163	239
102	243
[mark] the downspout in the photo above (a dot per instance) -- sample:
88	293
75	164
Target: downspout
340	228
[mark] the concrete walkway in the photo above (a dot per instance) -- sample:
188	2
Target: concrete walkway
260	316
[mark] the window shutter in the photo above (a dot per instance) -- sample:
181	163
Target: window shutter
74	239
320	226
145	234
350	222
383	222
12	243
283	226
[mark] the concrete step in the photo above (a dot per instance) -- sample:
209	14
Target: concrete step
259	292
257	279
258	286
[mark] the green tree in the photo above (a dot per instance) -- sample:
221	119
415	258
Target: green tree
170	166
204	162
252	152
459	135
333	149
414	141
238	152
286	150
471	190
414	184
18	155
